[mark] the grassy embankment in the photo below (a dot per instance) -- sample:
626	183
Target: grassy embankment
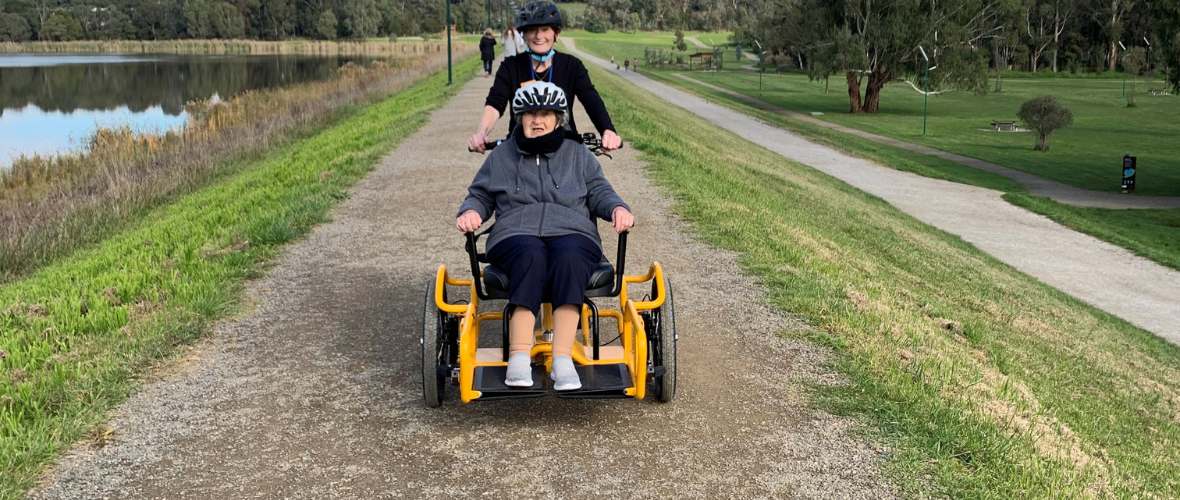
984	382
78	332
1150	233
50	206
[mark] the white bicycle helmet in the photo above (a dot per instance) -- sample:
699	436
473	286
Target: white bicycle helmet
540	95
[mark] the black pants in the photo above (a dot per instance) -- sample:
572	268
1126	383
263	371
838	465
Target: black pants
487	65
554	270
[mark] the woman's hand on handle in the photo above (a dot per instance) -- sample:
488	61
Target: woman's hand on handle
611	141
469	221
622	219
475	144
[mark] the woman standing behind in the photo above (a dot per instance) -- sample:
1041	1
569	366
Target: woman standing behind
513	42
487	50
540	20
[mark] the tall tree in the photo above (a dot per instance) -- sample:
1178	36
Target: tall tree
879	41
359	18
274	19
1111	14
1166	27
1063	12
14	28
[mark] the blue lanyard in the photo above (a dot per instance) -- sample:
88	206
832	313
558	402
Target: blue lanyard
534	71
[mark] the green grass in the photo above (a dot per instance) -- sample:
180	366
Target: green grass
1146	232
1087	154
884	154
1149	233
622	45
712	37
79	332
1154	234
983	381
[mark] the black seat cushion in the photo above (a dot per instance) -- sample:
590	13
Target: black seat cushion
496	283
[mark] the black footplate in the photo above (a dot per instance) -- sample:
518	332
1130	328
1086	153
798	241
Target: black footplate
489	380
601	382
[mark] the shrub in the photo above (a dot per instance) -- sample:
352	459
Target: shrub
326	25
14	28
1044	115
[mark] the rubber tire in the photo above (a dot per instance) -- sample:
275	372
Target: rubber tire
667	331
433	385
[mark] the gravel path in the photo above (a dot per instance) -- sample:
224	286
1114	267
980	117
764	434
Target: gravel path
1109	277
315	391
1040	186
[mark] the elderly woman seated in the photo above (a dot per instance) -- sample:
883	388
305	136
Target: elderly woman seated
546	192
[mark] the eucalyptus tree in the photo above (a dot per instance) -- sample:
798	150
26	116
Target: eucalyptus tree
1166	31
877	41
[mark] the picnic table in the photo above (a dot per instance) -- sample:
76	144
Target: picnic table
1004	125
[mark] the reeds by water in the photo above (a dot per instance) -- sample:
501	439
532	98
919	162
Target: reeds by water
50	206
370	47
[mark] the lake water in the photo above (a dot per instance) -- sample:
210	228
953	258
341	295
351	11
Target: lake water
50	103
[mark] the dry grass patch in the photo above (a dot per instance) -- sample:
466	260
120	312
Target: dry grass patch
52	206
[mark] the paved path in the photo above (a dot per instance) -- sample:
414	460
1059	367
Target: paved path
1109	277
696	42
315	392
1037	185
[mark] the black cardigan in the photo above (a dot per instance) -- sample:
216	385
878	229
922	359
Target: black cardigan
487	48
568	73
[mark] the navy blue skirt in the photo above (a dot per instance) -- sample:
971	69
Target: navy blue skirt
554	269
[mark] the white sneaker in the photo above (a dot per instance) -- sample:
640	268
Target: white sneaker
520	370
564	375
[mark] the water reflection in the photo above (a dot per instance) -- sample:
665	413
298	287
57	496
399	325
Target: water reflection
51	103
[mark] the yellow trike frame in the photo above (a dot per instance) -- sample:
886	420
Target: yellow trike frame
633	352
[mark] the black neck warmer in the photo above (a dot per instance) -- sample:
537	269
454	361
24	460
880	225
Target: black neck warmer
544	144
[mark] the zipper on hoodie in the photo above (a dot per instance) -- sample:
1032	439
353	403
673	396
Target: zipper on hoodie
544	205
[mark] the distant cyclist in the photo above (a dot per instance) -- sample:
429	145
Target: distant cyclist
540	21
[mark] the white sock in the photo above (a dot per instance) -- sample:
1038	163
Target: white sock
520	370
565	377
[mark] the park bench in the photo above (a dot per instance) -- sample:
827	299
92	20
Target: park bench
1003	126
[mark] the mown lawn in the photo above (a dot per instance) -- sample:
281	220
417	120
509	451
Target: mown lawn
77	333
983	381
1087	154
1149	233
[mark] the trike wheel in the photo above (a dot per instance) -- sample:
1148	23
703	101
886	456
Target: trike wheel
665	342
434	356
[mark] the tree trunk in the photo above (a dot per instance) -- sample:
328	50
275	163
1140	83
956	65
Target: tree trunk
853	79
1054	60
1113	56
1042	142
872	102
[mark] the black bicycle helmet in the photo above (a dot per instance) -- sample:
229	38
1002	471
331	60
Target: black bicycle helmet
538	13
540	95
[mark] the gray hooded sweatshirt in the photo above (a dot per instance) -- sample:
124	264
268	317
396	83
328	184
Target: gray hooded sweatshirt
542	195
